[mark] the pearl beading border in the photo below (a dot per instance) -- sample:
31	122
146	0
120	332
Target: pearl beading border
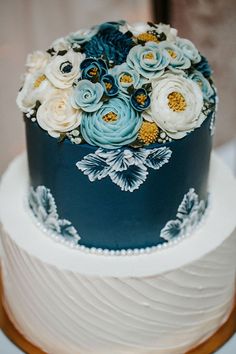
106	252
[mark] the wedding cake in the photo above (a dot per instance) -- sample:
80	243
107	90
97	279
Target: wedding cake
118	226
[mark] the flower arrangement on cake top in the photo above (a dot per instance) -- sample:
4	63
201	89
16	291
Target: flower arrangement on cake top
118	84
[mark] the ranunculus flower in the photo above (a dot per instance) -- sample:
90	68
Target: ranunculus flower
87	95
36	61
149	60
36	87
177	60
93	69
176	105
115	124
62	70
189	49
56	115
203	83
125	77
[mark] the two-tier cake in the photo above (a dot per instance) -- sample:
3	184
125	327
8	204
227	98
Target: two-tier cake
115	239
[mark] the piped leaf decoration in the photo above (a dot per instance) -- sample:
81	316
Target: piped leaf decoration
67	230
130	179
127	167
158	157
44	209
93	166
189	214
172	230
188	204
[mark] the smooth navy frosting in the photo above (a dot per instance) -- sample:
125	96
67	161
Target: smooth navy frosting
104	215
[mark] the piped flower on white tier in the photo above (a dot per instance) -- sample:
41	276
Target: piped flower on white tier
127	168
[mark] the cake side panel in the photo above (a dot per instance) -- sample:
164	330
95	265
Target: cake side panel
67	312
106	216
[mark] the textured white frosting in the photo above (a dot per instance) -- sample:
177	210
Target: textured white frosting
68	302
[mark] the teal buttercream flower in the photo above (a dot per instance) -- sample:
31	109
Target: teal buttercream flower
177	59
87	96
203	83
113	125
125	77
189	49
82	35
149	60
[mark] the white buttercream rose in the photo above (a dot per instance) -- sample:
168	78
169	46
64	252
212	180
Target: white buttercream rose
176	105
37	61
56	115
141	27
36	87
62	70
60	44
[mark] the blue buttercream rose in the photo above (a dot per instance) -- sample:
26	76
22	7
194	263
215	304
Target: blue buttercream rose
149	60
204	84
189	49
82	35
93	69
140	100
115	124
87	96
177	59
125	77
109	84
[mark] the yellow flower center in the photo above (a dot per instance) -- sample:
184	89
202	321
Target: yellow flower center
126	78
39	80
148	133
147	37
149	56
93	71
110	117
141	98
177	102
172	53
108	86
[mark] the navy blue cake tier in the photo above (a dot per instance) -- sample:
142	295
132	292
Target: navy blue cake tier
104	215
119	125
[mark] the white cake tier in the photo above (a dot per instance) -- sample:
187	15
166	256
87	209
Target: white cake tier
68	302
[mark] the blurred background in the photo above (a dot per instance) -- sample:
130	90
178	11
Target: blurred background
28	25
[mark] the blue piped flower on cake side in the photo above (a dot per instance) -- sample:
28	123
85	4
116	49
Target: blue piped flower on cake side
44	209
189	215
127	168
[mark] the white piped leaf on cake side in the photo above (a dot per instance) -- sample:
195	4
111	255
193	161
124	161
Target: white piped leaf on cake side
126	168
44	209
189	215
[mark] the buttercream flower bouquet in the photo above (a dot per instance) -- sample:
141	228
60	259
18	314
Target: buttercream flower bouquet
118	85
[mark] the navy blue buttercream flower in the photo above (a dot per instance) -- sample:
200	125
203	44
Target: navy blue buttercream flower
87	96
140	100
109	84
113	125
110	44
93	69
204	67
